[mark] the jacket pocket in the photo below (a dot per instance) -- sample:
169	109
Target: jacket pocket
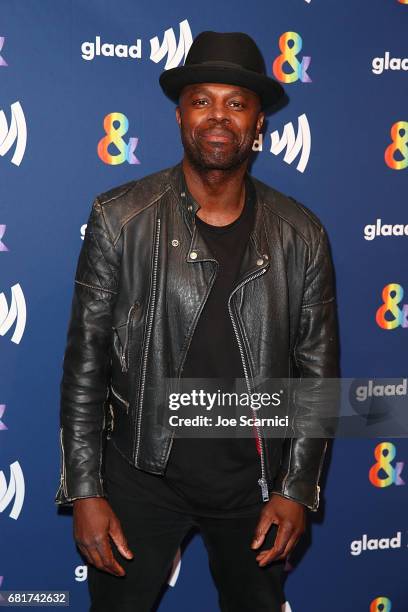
117	412
121	336
121	400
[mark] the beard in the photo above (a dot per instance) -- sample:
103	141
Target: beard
205	155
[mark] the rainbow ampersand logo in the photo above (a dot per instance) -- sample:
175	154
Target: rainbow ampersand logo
116	125
288	55
381	604
398	146
384	453
392	295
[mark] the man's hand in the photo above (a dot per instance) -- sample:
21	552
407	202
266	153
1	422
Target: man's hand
94	522
290	517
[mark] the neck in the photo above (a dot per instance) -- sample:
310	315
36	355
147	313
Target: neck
220	193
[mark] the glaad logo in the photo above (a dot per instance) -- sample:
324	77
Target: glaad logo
376	390
2	232
381	604
392	295
116	125
380	229
17	131
357	546
83	230
2	60
92	49
379	64
16	313
398	148
15	488
382	473
378	401
288	56
294	144
176	53
3	426
81	573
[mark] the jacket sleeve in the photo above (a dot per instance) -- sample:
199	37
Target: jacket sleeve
86	365
315	355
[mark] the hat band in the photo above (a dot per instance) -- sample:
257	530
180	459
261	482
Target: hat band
223	63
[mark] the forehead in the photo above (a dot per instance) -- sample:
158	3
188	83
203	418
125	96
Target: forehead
223	89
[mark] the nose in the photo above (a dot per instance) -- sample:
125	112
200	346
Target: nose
218	111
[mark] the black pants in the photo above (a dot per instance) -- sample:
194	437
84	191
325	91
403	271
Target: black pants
154	534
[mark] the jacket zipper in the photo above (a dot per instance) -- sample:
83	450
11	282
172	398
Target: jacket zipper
124	359
319	472
148	334
63	474
261	481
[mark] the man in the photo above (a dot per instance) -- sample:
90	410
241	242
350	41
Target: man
196	271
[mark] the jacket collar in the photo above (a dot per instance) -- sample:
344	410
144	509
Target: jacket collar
257	255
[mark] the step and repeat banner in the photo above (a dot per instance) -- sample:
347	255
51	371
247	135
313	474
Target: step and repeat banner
81	111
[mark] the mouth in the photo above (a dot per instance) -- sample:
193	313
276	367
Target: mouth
217	136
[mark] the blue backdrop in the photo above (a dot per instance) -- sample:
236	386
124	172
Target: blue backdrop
340	147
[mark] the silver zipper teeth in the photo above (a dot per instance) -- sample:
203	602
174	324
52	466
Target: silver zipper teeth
112	419
149	329
124	362
262	481
121	399
63	475
288	470
319	471
101	443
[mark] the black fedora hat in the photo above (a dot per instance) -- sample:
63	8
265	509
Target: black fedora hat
223	57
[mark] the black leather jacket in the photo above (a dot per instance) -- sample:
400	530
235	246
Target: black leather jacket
142	279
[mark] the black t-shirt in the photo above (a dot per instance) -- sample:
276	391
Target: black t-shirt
213	476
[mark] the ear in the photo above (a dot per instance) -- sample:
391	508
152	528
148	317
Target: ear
178	115
259	122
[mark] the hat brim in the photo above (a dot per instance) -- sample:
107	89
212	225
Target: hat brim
173	80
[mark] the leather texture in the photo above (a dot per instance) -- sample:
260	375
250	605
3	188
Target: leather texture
142	279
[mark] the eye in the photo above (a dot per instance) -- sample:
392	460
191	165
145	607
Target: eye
237	104
199	101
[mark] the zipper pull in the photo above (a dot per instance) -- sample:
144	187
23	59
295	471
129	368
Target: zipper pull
123	362
264	488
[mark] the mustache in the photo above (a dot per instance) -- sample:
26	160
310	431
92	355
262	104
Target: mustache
217	131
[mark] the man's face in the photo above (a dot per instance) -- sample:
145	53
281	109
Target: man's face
218	124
